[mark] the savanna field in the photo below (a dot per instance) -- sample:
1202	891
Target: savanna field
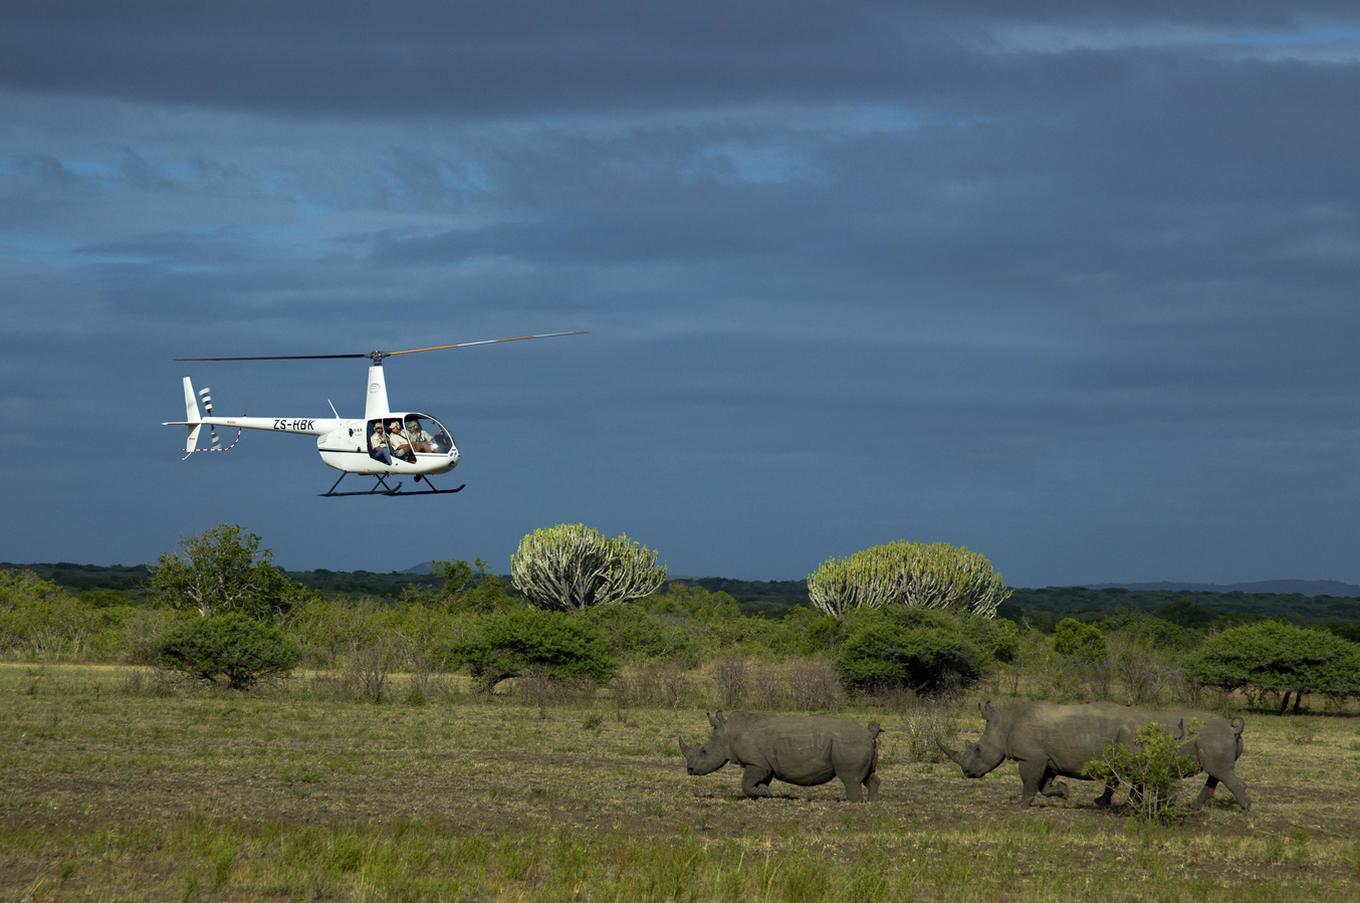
119	783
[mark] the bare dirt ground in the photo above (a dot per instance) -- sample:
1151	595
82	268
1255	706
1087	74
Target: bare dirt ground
114	788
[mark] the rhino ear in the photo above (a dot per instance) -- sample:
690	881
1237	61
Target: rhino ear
987	711
1180	730
712	722
722	719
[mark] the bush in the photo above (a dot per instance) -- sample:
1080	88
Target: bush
732	677
922	649
661	684
637	635
232	646
1078	641
1151	632
908	573
1150	768
560	645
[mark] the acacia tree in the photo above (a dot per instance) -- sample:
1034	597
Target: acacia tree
937	575
1279	657
572	566
224	569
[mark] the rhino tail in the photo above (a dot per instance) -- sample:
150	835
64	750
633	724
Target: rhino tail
1238	724
874	730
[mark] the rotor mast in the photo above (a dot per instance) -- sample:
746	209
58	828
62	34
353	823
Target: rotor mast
375	399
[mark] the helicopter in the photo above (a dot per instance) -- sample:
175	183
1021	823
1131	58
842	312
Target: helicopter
384	443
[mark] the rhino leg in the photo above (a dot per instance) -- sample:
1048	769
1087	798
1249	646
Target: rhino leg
755	781
1106	797
1206	793
1031	779
1053	787
1239	790
871	787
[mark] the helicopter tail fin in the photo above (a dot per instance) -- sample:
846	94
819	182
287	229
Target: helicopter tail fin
193	420
193	417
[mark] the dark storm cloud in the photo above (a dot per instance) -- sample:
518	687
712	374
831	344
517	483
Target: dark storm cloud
1075	287
357	59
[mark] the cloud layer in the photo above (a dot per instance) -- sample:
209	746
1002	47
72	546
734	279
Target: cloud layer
1075	289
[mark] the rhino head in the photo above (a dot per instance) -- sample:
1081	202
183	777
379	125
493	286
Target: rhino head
988	752
713	754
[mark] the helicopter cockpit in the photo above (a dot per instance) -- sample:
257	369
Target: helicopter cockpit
404	437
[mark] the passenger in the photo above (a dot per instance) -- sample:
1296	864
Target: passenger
377	444
400	447
421	441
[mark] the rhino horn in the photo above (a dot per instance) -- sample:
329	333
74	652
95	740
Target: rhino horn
954	757
684	747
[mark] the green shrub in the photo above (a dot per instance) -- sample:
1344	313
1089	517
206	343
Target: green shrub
1150	632
1078	641
561	645
923	649
41	620
637	635
228	646
1150	768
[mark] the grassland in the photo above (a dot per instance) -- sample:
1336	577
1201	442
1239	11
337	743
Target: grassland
115	787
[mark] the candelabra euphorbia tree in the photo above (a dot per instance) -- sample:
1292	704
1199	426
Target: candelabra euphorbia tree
572	566
937	575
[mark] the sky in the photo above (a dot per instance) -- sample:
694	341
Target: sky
1075	287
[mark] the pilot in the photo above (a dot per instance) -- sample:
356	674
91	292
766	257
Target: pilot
377	444
401	448
421	441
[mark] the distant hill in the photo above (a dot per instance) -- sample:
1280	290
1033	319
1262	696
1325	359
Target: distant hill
1277	587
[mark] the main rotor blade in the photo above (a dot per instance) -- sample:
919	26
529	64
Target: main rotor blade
377	355
516	338
273	357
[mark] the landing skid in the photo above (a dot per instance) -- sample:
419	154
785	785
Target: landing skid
381	488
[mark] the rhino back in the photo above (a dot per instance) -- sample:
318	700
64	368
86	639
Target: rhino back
802	750
1066	736
1210	734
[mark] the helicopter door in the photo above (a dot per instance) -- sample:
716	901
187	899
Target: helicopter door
427	435
377	442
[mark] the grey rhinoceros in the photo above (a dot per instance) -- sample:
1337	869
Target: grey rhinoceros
1048	741
806	750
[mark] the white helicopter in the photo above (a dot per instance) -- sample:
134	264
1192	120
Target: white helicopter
384	443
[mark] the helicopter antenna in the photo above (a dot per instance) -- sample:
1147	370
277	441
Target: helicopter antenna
377	356
333	410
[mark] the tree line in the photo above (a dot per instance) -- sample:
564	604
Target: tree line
581	606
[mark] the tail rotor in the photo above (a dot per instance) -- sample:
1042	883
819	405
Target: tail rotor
205	394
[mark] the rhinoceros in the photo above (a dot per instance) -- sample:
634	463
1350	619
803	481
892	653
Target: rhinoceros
1050	740
806	750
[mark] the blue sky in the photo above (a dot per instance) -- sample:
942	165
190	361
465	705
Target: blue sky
1075	288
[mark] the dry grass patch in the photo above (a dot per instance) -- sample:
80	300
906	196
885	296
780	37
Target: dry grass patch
177	792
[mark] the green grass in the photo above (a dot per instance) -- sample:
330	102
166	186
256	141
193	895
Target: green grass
114	789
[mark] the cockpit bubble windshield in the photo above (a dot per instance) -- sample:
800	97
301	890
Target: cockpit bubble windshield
427	435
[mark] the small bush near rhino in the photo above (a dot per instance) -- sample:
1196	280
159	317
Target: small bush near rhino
1150	768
